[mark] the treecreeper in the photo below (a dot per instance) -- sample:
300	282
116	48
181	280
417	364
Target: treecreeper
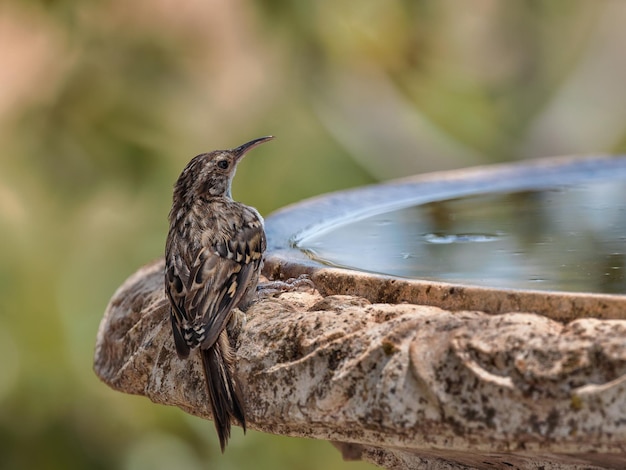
213	258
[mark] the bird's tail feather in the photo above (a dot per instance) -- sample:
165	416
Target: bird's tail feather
224	391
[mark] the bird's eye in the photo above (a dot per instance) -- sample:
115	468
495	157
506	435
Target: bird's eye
223	164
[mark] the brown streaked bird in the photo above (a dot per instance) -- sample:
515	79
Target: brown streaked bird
213	258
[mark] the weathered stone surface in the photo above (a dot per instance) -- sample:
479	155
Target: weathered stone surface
403	386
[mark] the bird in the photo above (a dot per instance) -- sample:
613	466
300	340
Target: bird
213	258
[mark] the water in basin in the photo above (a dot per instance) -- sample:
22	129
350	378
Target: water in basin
570	238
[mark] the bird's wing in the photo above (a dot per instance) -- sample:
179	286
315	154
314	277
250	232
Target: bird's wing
204	291
176	275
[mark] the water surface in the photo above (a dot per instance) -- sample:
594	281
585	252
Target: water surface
570	238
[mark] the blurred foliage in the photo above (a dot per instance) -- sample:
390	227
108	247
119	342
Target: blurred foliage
103	103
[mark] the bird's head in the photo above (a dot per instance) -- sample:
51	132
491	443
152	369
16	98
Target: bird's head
211	174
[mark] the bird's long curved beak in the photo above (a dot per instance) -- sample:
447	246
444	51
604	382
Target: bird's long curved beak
243	149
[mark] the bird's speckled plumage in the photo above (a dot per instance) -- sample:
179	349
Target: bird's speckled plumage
213	260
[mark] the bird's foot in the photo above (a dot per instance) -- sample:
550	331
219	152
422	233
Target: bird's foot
272	288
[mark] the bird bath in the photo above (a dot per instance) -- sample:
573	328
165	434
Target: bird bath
547	236
466	319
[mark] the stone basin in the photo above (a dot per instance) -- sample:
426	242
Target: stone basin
431	368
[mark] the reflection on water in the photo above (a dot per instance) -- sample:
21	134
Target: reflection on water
569	239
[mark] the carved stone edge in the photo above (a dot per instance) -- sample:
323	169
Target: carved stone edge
400	385
377	288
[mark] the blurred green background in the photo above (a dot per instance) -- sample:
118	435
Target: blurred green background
103	102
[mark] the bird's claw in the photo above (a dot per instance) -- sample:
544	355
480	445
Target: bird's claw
294	284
